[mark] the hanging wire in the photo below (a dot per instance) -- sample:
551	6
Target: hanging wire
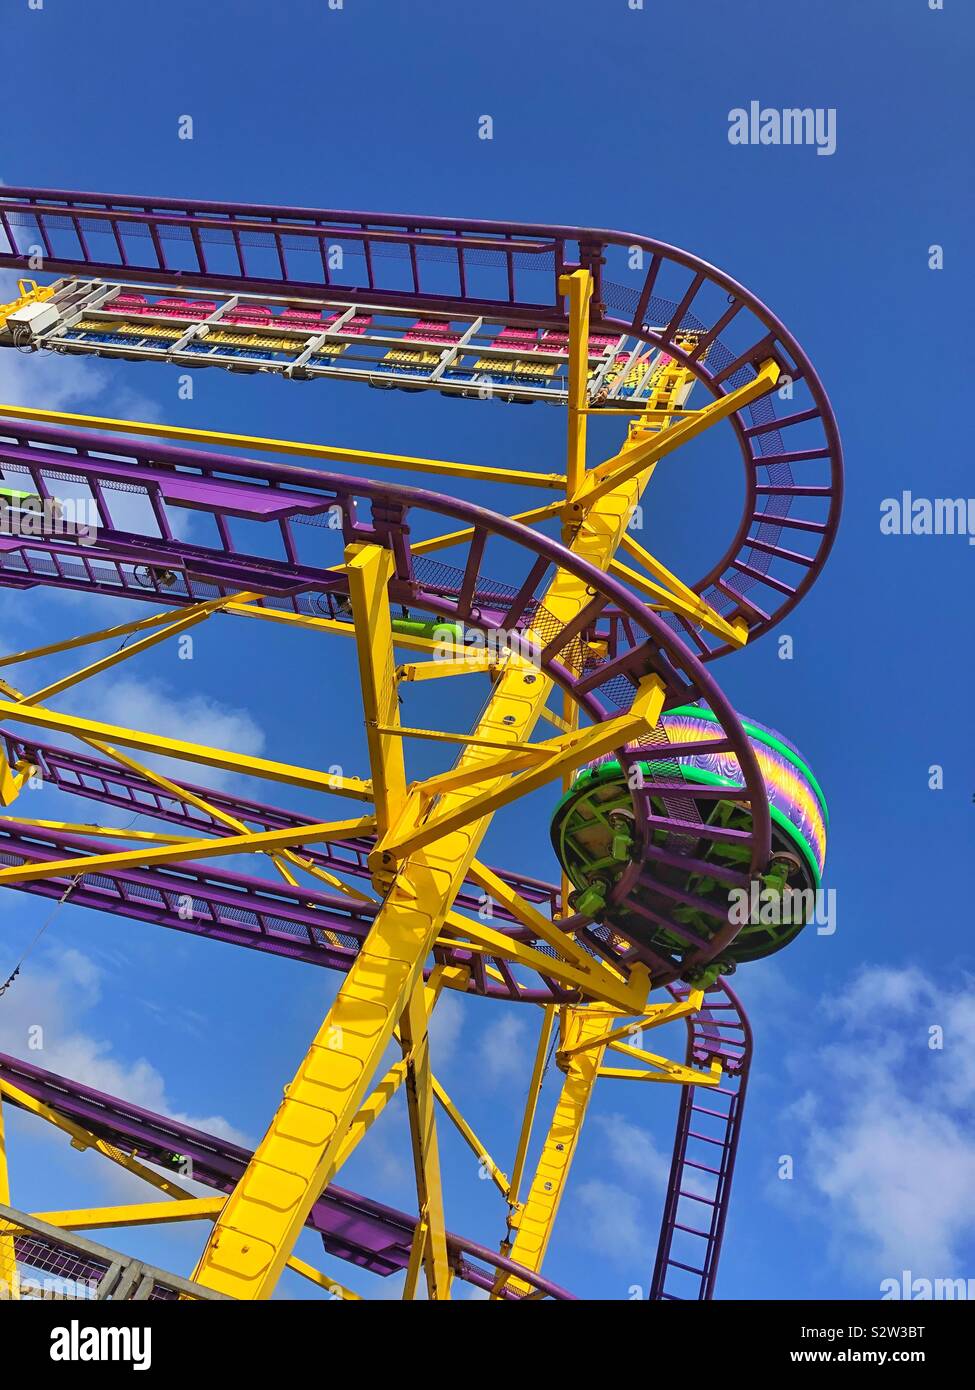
51	916
40	932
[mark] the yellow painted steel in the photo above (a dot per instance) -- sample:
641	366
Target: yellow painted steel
184	1205
591	977
414	1033
299	1153
666	1071
640	452
531	1106
370	569
692	607
533	1223
190	618
430	836
324	1281
9	1279
261	444
106	634
133	1214
476	1146
462	536
571	750
652	1017
11	783
12	779
434	670
578	288
30	293
182	849
108	832
310	778
82	1139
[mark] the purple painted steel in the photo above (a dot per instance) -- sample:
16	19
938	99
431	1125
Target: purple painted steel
353	1228
137	227
705	1148
745	569
593	685
112	784
237	909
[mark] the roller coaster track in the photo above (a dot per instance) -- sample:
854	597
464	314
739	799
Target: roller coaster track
353	1228
472	309
507	273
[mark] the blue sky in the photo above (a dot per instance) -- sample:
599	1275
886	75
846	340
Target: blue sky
612	117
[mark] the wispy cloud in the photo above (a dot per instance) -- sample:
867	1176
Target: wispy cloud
46	1017
888	1128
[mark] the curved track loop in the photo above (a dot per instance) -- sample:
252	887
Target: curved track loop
508	273
352	1227
228	487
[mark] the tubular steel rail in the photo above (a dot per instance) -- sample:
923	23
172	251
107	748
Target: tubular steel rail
509	271
353	1228
705	1148
476	309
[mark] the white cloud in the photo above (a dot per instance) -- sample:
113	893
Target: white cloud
610	1221
633	1150
506	1049
59	382
53	994
154	707
888	1126
446	1024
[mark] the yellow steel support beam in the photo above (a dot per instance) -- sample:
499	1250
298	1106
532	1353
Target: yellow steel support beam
309	778
263	1216
531	1106
190	618
370	569
653	1017
324	1281
87	639
694	608
144	1213
134	1214
261	444
675	1073
578	288
593	978
476	1146
334	626
414	1033
9	1279
646	451
30	293
198	849
534	1222
107	832
569	751
670	581
462	536
12	779
82	1139
437	670
601	976
11	783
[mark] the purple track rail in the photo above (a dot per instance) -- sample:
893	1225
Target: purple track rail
793	484
705	1148
792	462
353	1228
227	486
